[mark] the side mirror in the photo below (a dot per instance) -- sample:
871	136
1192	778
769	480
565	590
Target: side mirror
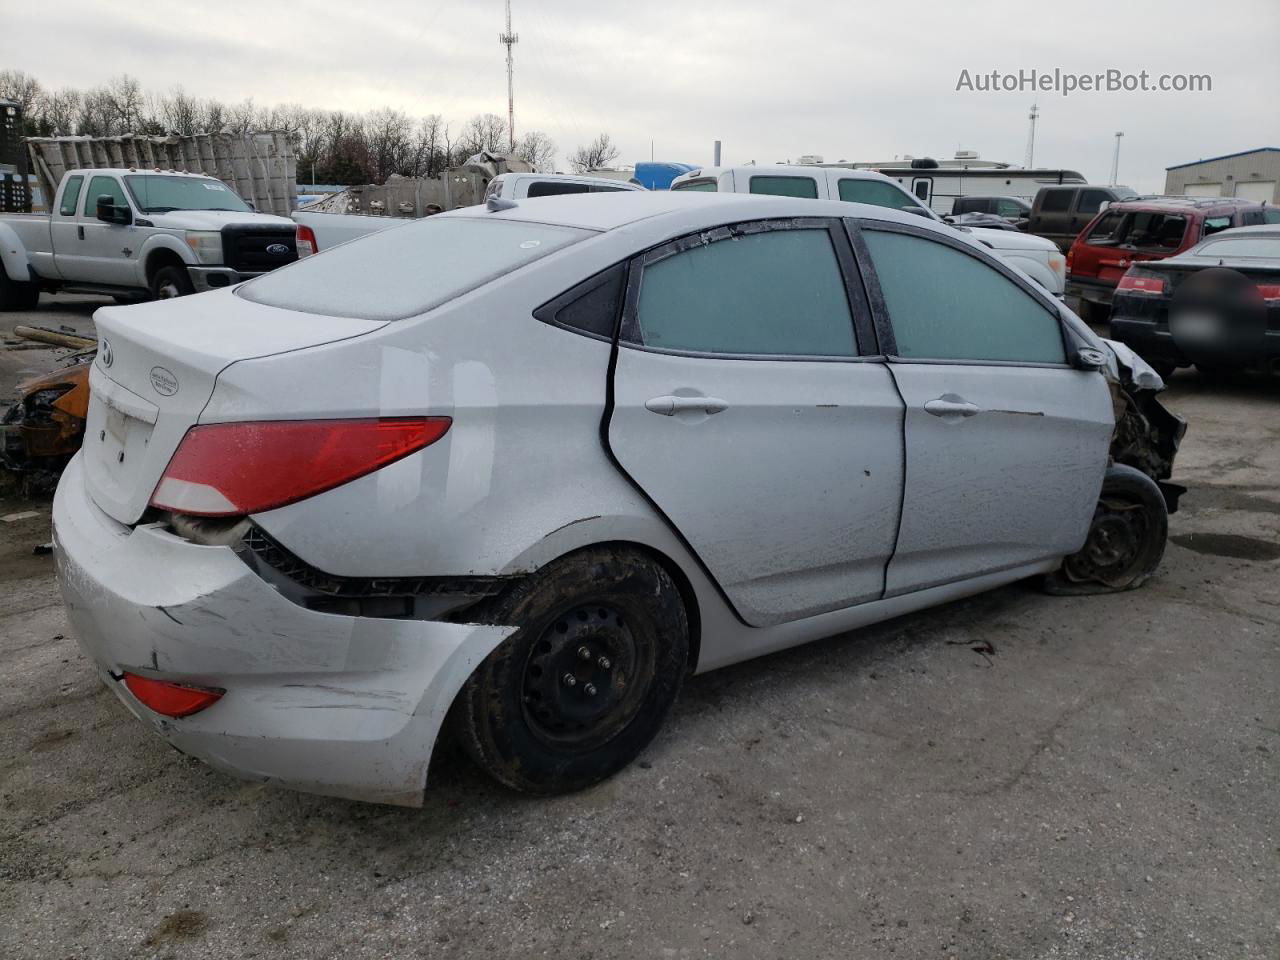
251	205
108	212
1087	358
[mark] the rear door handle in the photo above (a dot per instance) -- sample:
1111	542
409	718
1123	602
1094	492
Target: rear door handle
944	407
669	406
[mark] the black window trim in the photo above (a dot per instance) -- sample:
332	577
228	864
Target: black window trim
880	310
548	311
859	308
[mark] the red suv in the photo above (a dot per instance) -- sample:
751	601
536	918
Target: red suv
1133	230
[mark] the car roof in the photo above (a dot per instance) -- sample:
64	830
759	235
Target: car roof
1202	204
682	209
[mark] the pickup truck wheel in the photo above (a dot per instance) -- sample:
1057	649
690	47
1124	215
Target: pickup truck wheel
17	294
585	681
1126	538
171	282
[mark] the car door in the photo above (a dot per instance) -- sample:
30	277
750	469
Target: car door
749	406
1006	443
108	249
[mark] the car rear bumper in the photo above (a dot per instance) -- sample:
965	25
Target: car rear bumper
1093	291
344	706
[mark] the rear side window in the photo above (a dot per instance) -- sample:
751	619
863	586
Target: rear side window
556	188
406	271
1241	247
786	186
1214	224
1155	231
592	307
947	305
70	196
876	193
777	292
1091	201
1107	230
1010	208
1056	201
708	186
104	187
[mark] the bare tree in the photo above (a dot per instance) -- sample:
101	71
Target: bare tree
486	132
538	150
601	152
181	113
22	88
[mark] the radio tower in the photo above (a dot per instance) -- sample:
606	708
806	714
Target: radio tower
509	40
1031	137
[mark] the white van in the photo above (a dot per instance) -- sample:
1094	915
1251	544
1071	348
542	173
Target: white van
1039	259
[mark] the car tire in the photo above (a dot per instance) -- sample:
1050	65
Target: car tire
1095	314
587	679
170	282
17	294
1126	538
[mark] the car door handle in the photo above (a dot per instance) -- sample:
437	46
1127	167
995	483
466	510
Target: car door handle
943	407
669	406
79	231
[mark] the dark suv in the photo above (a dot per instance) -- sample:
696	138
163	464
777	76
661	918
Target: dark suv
1059	213
1137	230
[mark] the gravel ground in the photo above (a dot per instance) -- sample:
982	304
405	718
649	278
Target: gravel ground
1103	786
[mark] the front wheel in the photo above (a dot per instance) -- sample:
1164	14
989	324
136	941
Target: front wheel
586	680
170	282
1126	538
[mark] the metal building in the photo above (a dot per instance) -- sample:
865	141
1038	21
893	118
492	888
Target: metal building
1250	175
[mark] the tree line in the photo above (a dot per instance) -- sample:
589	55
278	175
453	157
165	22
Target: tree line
331	146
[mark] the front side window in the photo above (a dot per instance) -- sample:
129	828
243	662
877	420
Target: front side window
877	193
944	304
160	194
104	187
786	186
775	292
70	196
1091	201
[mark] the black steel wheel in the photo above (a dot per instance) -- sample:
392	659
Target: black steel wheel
170	282
1126	539
585	682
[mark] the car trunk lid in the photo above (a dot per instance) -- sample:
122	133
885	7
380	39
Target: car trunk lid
155	371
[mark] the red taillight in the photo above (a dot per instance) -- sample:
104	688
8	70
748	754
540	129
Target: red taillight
1141	284
305	239
1070	256
1269	291
171	699
232	469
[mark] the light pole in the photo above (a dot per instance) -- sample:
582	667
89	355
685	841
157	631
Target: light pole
1115	160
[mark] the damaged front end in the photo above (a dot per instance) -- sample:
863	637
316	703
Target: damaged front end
1147	435
42	431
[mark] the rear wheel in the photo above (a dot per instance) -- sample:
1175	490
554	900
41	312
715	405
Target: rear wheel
170	282
588	678
1126	538
1094	314
18	294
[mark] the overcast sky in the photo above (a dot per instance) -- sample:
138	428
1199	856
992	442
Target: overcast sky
771	80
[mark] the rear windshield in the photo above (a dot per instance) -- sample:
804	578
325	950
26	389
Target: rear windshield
406	271
1241	247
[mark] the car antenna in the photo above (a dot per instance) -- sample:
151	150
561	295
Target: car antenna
494	204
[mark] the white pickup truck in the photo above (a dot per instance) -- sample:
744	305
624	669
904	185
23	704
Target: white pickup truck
1039	259
134	234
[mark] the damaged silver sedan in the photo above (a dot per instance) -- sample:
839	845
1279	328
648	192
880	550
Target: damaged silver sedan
512	473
